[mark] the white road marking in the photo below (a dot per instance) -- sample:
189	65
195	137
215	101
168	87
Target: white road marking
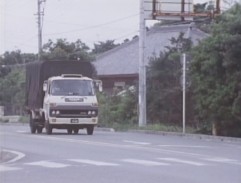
19	155
144	162
92	162
21	131
223	160
185	146
182	161
137	143
4	168
48	164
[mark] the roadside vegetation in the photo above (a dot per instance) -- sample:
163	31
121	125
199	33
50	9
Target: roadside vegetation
214	77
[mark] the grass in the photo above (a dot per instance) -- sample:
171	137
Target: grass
151	127
7	119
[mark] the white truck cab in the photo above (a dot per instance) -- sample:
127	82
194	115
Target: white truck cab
70	103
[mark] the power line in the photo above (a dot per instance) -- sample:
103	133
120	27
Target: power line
94	26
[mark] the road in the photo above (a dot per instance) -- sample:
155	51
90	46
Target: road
119	157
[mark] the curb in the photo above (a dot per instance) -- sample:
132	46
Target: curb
196	136
105	129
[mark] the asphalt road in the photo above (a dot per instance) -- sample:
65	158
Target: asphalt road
113	157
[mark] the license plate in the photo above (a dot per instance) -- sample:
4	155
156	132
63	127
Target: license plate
74	121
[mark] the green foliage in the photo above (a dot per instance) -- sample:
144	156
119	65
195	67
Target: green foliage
63	50
16	57
102	47
12	91
164	94
216	73
12	80
118	109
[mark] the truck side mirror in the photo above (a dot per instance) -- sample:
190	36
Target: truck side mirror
45	86
98	83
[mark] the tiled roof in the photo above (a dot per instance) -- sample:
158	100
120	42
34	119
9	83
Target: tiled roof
124	59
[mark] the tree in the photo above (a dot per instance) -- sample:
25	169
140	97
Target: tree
102	47
63	50
216	74
16	57
164	95
12	91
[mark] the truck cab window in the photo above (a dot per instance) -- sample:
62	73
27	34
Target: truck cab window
72	87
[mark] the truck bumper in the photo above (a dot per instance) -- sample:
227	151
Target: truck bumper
73	121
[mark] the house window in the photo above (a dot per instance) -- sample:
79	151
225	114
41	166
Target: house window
120	85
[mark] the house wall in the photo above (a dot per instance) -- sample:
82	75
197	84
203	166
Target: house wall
112	84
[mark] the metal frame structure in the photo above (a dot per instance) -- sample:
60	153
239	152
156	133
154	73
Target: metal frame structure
157	12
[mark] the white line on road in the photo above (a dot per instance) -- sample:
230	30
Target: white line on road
48	164
185	146
182	161
92	162
137	143
4	168
144	162
223	160
19	155
21	131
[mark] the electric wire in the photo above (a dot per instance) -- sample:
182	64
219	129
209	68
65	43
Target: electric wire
93	26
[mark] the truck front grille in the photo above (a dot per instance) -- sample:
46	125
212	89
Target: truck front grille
61	113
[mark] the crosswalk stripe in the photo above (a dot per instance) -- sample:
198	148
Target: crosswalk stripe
182	161
144	162
48	164
223	160
4	168
92	162
137	143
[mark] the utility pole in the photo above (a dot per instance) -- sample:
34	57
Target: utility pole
184	83
142	78
40	23
184	93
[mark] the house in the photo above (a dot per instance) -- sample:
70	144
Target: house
119	67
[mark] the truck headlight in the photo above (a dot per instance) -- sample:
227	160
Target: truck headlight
53	112
95	104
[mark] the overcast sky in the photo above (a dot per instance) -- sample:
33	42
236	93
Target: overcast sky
88	20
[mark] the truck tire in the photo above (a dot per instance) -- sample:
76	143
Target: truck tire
69	130
76	131
39	129
48	128
90	129
33	127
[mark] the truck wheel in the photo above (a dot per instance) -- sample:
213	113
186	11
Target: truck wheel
69	131
33	128
39	129
48	128
90	130
76	131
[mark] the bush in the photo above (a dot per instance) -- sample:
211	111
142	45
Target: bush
117	110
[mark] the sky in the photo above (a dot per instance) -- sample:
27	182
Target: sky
90	21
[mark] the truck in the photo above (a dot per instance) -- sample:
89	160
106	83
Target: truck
62	95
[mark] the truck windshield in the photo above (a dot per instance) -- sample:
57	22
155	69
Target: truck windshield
71	87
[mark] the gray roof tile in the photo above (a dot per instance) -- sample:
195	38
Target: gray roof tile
124	59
